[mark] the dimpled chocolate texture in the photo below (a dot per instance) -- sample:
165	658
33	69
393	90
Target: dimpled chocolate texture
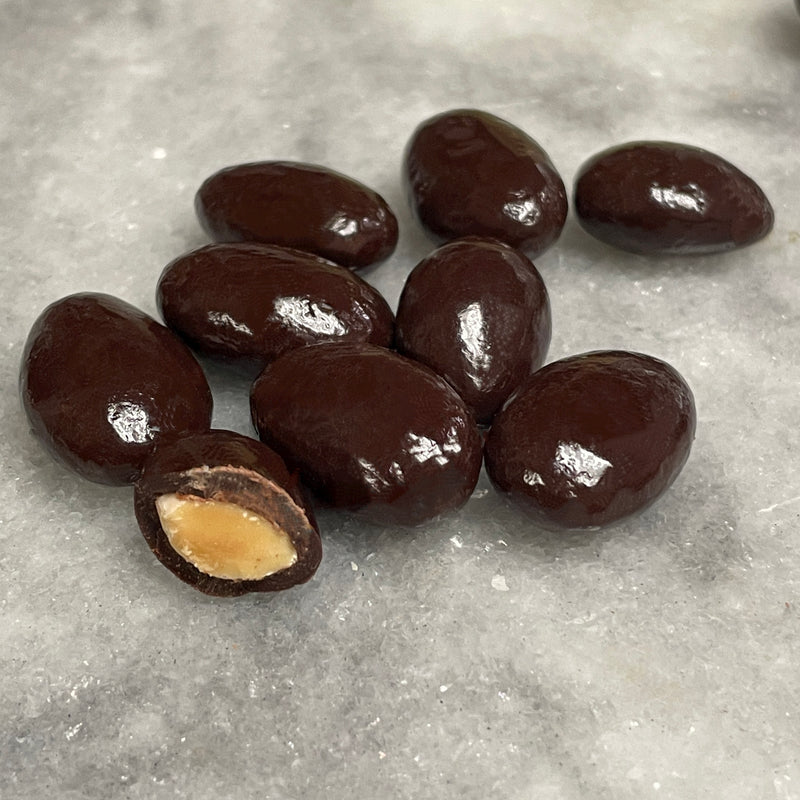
102	382
666	198
477	312
222	512
592	439
248	303
298	205
369	430
471	173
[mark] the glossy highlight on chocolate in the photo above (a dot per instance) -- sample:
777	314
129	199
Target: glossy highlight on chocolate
102	383
247	303
369	430
305	206
477	312
656	197
592	439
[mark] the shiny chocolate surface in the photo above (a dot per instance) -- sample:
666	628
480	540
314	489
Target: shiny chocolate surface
469	173
102	382
477	312
298	205
369	430
592	439
228	467
248	303
663	197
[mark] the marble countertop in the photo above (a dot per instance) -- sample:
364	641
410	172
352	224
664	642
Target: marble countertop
478	656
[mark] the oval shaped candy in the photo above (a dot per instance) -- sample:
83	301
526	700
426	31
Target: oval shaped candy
469	173
477	312
667	198
102	383
592	439
248	303
222	512
298	205
369	430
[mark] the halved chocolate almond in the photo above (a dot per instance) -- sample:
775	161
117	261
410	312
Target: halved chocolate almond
222	512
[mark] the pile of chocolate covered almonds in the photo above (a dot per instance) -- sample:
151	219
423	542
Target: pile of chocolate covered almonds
388	417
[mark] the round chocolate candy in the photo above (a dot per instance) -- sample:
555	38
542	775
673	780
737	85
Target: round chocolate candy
248	303
477	312
667	198
591	439
369	430
471	173
298	205
102	382
222	512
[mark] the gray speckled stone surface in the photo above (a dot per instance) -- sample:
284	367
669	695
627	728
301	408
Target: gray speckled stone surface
476	657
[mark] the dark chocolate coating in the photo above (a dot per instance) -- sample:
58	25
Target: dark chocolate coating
298	205
102	382
248	303
369	430
667	198
592	439
230	468
477	312
470	173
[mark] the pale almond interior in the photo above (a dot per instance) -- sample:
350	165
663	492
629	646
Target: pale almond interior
224	540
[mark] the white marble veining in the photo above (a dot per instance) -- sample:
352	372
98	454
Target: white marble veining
477	657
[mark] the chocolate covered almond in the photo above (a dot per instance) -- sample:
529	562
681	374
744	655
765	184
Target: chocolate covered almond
298	205
592	439
657	197
470	173
248	303
369	430
102	383
222	512
477	312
